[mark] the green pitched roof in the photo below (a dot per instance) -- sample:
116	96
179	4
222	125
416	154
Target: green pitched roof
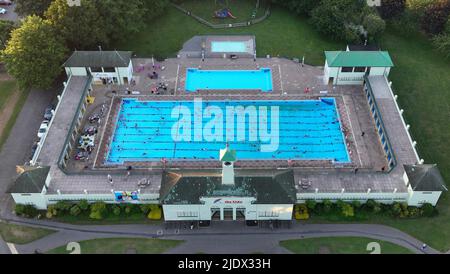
30	181
268	187
358	59
227	155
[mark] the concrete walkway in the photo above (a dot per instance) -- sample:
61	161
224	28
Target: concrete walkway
229	237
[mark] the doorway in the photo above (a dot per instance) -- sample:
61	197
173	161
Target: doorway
228	214
330	81
240	213
215	213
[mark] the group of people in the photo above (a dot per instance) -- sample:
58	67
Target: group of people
158	88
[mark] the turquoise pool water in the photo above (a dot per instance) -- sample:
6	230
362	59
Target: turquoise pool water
308	130
228	46
229	79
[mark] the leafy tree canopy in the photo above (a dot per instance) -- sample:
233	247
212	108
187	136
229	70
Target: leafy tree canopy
34	53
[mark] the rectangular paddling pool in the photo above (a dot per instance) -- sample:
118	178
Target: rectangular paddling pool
229	79
228	46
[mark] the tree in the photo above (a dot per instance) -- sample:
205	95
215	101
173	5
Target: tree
145	208
435	17
98	210
75	210
391	8
6	27
339	19
327	205
428	210
63	206
299	6
115	210
442	43
356	204
31	7
347	210
84	205
154	8
122	18
28	211
374	26
34	54
82	26
311	204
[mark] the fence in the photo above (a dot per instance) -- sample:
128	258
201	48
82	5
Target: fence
224	26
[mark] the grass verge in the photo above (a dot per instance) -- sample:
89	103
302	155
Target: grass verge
340	245
122	246
18	234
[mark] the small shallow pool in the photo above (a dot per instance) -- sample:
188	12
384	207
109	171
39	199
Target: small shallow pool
229	79
228	46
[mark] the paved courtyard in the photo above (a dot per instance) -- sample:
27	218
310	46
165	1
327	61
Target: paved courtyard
292	81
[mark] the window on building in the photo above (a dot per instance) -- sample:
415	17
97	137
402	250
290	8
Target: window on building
347	69
360	69
109	69
268	214
96	69
187	214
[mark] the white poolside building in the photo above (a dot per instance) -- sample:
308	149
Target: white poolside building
349	67
106	67
229	191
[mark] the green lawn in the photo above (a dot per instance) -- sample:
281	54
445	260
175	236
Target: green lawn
7	88
18	234
241	9
121	246
281	34
340	245
420	78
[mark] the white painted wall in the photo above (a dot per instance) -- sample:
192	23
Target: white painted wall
75	71
418	198
252	211
279	212
38	200
120	73
186	212
350	78
381	197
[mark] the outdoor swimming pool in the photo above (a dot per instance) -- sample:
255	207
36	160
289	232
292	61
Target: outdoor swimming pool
228	79
228	46
308	130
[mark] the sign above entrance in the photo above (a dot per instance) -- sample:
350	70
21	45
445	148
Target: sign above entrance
219	201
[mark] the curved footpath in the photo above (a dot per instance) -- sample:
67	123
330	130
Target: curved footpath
250	239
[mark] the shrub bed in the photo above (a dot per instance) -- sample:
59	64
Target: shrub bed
341	210
94	211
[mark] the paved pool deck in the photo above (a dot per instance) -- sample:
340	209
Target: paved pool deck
367	154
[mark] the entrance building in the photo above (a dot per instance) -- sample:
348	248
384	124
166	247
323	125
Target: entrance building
228	194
